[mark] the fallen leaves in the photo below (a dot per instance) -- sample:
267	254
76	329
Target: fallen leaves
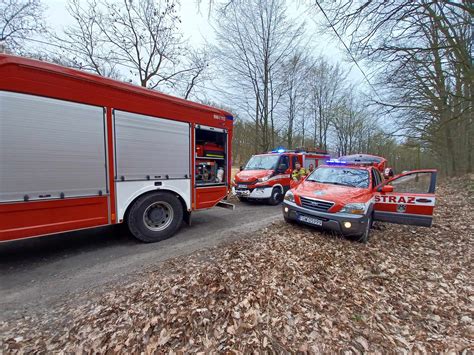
287	288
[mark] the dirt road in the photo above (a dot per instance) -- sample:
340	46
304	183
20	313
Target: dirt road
37	273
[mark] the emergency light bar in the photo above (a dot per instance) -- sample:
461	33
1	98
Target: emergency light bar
336	162
343	162
278	150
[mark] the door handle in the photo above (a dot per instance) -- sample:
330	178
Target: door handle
423	200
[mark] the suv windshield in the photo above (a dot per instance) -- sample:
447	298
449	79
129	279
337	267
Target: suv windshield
341	176
262	162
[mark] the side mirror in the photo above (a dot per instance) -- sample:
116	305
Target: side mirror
385	188
281	168
241	168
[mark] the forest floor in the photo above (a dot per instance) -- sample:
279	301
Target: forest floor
286	288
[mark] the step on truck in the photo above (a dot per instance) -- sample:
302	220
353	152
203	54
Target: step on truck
267	177
80	151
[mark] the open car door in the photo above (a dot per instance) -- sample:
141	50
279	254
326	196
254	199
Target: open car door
408	198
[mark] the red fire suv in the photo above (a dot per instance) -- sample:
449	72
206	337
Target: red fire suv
267	176
348	197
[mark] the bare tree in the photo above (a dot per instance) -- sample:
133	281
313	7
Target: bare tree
422	52
327	87
19	19
137	40
296	70
254	38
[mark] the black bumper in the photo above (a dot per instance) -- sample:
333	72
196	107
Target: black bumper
330	221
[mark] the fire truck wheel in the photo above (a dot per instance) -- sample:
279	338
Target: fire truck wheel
276	197
364	237
155	217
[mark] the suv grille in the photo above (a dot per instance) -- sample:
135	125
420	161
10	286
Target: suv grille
316	205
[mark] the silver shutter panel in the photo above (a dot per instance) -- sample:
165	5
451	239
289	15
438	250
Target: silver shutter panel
49	147
150	147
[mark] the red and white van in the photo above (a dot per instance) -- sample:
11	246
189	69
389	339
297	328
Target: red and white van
347	198
267	176
80	151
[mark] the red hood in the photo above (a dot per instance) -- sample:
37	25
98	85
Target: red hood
341	195
251	175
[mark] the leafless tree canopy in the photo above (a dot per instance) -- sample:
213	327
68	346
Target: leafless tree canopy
422	54
18	20
138	41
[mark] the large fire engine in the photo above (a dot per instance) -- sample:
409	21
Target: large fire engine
80	151
267	176
347	197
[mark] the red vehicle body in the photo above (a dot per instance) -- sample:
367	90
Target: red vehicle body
63	128
347	198
268	176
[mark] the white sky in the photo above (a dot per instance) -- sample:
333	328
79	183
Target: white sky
197	28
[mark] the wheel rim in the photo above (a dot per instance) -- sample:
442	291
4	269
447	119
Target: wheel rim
158	216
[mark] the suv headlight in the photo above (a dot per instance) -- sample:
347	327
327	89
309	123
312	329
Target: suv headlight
289	196
263	179
354	208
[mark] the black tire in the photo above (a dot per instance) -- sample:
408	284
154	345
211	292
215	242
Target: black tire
243	199
155	217
288	220
364	237
276	197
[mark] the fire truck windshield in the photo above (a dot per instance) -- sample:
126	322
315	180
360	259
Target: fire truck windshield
262	162
341	176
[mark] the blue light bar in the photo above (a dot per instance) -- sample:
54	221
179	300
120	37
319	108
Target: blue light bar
279	150
336	162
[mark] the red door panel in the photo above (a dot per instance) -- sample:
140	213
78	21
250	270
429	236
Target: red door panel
207	197
28	219
412	200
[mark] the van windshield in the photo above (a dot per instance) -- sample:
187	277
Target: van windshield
262	162
341	176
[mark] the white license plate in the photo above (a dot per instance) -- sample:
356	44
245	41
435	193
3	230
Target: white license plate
240	186
315	221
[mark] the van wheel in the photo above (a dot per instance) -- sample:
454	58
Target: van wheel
155	217
364	237
276	197
243	199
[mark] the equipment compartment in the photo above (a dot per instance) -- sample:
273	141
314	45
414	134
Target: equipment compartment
210	156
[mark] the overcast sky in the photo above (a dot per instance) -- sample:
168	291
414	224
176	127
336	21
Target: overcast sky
196	27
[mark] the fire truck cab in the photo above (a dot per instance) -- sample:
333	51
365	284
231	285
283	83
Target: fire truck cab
79	151
267	176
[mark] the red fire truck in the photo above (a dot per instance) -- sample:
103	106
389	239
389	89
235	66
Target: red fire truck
267	176
80	151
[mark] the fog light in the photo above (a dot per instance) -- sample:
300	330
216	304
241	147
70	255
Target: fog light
286	209
347	225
